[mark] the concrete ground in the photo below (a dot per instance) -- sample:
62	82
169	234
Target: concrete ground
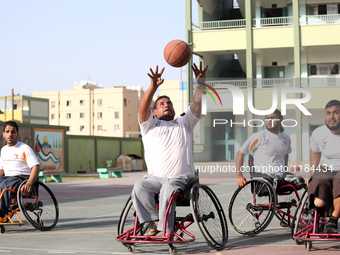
89	214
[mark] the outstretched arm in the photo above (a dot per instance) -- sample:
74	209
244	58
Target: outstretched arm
196	105
144	106
33	177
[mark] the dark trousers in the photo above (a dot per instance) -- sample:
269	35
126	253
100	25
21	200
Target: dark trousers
9	182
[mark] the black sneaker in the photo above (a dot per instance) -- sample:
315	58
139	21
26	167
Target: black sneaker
331	228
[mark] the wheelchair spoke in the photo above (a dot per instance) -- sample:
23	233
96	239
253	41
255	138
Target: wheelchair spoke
251	207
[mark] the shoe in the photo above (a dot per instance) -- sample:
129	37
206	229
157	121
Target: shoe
152	231
331	228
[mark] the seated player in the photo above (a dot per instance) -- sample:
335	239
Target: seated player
270	149
17	163
324	183
168	152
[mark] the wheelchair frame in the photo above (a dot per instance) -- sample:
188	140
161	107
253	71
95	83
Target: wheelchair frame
32	206
308	225
199	214
263	202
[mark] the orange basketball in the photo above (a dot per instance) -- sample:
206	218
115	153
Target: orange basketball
177	53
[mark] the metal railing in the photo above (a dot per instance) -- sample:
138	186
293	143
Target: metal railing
276	21
319	19
279	82
267	22
218	24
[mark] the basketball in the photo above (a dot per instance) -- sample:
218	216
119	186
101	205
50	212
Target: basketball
177	53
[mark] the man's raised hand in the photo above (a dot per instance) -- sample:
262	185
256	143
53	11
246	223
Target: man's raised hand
156	79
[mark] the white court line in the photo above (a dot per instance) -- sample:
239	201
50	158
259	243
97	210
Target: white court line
10	249
96	217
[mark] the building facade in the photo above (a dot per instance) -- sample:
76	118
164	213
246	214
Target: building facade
270	51
90	109
24	109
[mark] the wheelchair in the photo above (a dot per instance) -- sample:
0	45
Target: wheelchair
39	207
252	207
309	224
206	212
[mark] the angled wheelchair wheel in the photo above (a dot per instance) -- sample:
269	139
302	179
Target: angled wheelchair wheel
303	217
288	204
209	216
252	207
127	219
39	207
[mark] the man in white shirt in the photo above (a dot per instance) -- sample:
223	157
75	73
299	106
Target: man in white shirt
168	152
17	163
270	149
324	183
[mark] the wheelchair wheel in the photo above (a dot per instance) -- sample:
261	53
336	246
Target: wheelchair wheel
304	216
288	203
127	219
39	207
252	207
209	216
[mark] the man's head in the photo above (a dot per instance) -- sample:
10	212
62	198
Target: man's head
10	133
332	111
163	108
273	122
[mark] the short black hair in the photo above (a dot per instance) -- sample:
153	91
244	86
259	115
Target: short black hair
278	113
11	124
332	103
155	104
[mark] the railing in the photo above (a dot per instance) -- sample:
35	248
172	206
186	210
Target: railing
276	21
218	24
279	82
319	19
266	22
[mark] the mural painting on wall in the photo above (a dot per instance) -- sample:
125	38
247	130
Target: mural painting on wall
49	148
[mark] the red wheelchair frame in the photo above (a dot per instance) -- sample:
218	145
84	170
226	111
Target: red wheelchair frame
258	204
308	225
205	208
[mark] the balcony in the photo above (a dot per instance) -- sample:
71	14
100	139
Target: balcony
267	22
280	82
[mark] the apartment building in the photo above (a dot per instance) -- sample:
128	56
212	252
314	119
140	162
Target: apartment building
264	47
24	109
90	109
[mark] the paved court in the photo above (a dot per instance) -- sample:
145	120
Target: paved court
89	213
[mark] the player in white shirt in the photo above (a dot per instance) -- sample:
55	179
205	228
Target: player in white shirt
270	149
17	163
168	152
324	183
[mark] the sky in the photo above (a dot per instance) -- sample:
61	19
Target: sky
47	45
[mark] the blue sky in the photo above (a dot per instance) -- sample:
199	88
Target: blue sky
48	45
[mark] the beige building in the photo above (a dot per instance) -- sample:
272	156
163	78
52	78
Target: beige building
24	109
90	109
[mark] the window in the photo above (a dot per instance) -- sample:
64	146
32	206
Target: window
68	115
52	116
322	9
116	115
99	115
82	128
99	128
323	69
81	102
116	128
68	103
68	128
99	103
52	104
125	102
82	115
